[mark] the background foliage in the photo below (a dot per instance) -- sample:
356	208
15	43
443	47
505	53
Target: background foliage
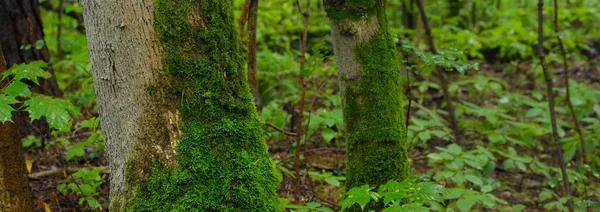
506	161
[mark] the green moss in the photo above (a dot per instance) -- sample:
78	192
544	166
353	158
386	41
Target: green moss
352	9
222	161
374	115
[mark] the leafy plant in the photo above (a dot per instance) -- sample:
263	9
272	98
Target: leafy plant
86	184
408	195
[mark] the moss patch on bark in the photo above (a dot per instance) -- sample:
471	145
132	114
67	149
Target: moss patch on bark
222	159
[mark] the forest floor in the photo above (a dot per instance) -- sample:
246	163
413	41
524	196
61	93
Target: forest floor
49	169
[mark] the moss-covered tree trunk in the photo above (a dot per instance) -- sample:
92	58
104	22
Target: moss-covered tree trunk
15	194
181	129
371	93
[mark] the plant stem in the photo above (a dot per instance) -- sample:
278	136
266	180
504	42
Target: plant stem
305	15
549	85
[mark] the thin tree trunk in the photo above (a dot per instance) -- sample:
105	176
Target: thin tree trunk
252	48
15	194
20	26
442	77
371	93
180	126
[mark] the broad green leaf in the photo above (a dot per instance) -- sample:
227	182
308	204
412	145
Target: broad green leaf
360	195
6	108
545	194
17	89
427	191
486	188
466	203
328	134
394	191
30	140
455	149
76	150
39	44
414	207
332	180
489	168
56	111
30	71
474	179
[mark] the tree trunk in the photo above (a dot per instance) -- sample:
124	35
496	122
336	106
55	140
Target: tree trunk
181	129
371	93
20	26
15	194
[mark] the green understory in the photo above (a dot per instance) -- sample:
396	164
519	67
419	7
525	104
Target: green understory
223	164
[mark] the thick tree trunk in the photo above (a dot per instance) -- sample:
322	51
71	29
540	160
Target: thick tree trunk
20	25
138	117
181	129
15	194
371	92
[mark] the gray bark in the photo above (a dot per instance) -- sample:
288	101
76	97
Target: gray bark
138	117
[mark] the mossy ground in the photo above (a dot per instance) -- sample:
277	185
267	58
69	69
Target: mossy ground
223	164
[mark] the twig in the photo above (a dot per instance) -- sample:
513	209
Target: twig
281	130
243	17
563	167
298	125
441	75
583	148
42	174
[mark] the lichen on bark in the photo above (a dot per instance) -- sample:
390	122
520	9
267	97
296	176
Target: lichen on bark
222	160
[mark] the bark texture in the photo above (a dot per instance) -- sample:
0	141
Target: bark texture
182	132
371	92
138	115
20	25
15	194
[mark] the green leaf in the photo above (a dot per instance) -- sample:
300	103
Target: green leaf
30	140
427	191
86	189
455	149
394	191
17	89
76	150
360	195
30	71
56	111
489	168
453	193
414	207
486	188
6	108
474	179
39	44
332	180
545	194
466	203
328	134
496	138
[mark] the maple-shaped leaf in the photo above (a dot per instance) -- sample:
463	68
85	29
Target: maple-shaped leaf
56	111
5	108
30	71
17	89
